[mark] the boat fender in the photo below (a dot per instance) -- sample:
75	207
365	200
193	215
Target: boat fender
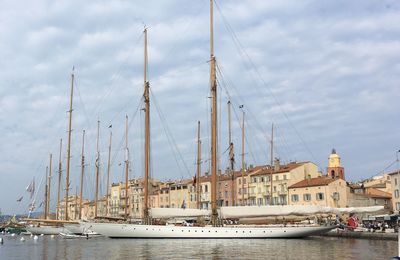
1	241
35	238
41	235
22	239
52	236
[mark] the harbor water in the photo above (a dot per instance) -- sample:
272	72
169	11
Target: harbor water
58	248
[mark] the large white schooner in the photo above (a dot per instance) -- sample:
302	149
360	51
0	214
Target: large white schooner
215	230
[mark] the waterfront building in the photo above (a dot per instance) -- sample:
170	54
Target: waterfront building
114	200
395	186
73	207
321	191
283	176
179	194
382	182
360	196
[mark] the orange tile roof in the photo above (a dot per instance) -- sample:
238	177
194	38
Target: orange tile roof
267	169
375	193
318	181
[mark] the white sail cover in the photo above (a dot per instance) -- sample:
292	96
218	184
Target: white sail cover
287	210
359	209
178	212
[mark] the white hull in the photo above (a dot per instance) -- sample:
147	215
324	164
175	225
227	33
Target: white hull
150	231
45	230
79	229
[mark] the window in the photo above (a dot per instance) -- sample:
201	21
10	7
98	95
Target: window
396	193
284	177
244	181
307	197
244	190
254	179
262	179
319	196
398	205
295	197
259	201
240	191
277	178
274	188
395	181
206	188
240	181
226	194
336	196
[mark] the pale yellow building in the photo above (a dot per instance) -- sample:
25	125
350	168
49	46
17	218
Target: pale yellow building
395	186
381	182
179	194
320	191
283	176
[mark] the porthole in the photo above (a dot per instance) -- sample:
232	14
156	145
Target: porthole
236	231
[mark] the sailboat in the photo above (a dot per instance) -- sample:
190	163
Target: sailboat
50	226
215	230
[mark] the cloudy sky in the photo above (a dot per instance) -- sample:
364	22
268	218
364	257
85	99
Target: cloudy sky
326	73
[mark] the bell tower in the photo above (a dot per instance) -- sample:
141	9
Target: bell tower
335	170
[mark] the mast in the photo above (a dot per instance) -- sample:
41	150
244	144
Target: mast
49	185
198	167
46	194
76	203
82	173
108	174
59	182
271	201
126	166
69	145
243	164
146	98
213	88
97	170
231	155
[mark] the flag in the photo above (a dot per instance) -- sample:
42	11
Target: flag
194	180
19	200
31	188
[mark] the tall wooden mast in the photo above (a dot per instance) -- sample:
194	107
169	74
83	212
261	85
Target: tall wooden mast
49	185
231	155
271	201
198	184
108	174
126	166
46	194
82	173
97	169
213	88
146	98
243	163
59	182
69	145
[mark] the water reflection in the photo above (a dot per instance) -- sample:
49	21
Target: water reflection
110	249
